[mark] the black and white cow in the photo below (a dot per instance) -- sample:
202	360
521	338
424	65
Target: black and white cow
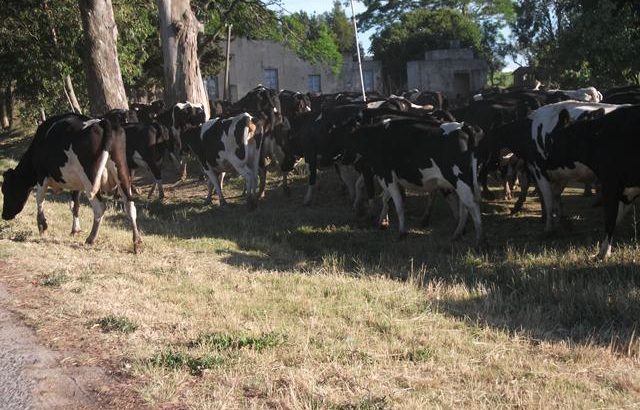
544	120
607	146
422	156
223	145
74	153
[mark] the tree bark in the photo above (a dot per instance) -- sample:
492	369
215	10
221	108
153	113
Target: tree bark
10	99
104	79
179	35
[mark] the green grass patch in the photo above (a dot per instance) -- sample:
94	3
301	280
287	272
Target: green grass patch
176	360
113	323
225	341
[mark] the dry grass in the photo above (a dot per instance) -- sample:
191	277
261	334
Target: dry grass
292	307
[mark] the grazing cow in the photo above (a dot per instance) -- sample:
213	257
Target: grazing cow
420	155
146	146
227	144
72	152
544	120
294	103
608	146
147	113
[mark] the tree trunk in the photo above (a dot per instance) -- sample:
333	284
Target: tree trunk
179	34
4	112
104	79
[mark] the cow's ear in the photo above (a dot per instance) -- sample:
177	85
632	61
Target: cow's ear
564	119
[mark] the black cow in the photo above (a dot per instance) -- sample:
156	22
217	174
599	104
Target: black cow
420	155
72	152
608	146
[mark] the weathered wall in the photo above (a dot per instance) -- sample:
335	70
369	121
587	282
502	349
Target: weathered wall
249	59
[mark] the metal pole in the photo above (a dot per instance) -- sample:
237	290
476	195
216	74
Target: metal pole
225	93
355	31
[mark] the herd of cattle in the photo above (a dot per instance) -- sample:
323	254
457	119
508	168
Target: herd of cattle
388	144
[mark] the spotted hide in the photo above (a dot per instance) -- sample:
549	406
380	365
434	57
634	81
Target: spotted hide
73	153
421	156
223	145
608	146
550	186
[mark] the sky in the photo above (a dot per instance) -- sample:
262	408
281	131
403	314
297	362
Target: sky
321	6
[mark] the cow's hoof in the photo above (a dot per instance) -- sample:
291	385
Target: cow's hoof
42	228
137	247
89	241
74	233
383	225
306	203
208	201
587	193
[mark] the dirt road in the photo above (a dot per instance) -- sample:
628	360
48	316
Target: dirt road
31	376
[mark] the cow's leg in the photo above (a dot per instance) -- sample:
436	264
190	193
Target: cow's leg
428	209
544	187
396	195
212	176
484	181
134	189
383	219
524	189
262	173
251	183
463	212
347	175
41	190
313	173
454	203
124	189
358	202
610	219
468	205
557	187
588	191
285	184
74	205
98	211
222	175
157	174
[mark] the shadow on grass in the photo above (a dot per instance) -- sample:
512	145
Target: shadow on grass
522	280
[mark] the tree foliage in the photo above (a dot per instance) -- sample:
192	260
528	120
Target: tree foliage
406	24
578	42
341	27
418	31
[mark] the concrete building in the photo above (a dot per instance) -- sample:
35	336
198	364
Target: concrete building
455	72
275	66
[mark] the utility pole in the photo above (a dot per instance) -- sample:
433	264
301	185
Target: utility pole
226	96
355	32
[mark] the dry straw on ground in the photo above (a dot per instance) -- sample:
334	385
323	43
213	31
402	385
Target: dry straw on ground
293	307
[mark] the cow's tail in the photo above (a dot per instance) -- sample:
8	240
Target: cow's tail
107	141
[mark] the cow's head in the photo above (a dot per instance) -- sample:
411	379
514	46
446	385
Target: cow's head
15	193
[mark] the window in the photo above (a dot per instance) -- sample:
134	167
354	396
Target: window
314	83
271	78
367	76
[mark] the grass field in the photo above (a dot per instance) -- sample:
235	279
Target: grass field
309	308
